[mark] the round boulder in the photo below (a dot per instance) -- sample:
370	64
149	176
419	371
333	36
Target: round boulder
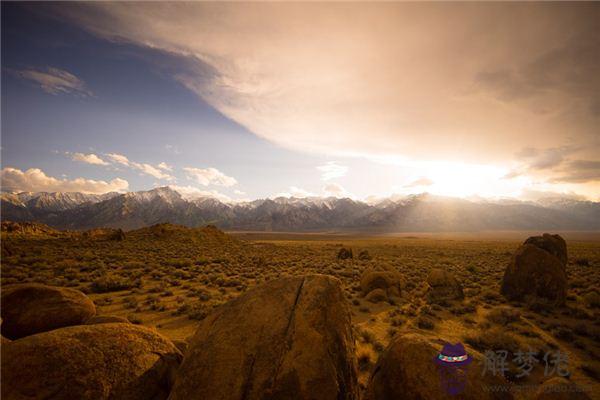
407	370
106	319
443	286
104	361
290	338
344	253
33	308
534	272
389	281
553	244
376	296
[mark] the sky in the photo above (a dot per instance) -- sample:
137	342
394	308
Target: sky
250	100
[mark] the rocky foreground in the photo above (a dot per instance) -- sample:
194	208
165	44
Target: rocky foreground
290	338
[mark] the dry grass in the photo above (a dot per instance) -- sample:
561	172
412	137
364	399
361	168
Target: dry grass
171	278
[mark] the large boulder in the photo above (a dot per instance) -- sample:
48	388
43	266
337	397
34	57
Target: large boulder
106	319
443	286
553	244
104	361
33	308
344	254
290	338
389	281
536	273
407	370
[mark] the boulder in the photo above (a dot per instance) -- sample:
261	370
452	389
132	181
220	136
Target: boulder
407	370
559	388
106	319
104	361
443	286
553	244
364	255
344	253
33	308
390	281
290	338
182	345
376	296
534	272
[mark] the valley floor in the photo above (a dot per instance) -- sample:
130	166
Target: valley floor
170	277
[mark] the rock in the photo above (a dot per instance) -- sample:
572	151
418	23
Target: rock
106	319
390	281
534	272
377	296
104	361
290	338
344	253
364	255
182	345
553	244
33	308
407	370
443	286
559	388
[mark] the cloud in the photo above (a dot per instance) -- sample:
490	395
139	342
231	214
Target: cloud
88	158
56	81
141	167
420	182
410	87
332	170
579	171
537	159
165	166
172	149
35	180
191	192
209	176
335	190
294	191
239	192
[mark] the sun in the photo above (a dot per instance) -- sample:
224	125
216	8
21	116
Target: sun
462	180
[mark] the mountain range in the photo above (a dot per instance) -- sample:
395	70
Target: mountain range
414	213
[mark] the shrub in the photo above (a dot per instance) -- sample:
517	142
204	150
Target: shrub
113	283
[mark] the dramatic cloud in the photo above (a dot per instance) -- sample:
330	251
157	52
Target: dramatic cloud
388	78
35	180
209	176
56	81
88	158
332	170
141	167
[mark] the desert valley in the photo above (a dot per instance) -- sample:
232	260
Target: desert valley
209	200
407	290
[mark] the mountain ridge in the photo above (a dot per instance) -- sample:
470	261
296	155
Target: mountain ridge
422	212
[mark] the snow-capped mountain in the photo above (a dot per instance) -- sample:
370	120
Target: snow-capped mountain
411	213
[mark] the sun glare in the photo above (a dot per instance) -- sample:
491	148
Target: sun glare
462	180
